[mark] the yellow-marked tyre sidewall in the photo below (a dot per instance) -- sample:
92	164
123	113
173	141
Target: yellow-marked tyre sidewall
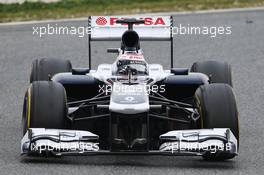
29	106
217	107
26	110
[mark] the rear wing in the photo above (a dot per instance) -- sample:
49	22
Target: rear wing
155	28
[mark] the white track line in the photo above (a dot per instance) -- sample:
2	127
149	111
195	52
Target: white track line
161	13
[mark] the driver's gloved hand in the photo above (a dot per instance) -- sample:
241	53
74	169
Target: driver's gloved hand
131	70
123	71
128	70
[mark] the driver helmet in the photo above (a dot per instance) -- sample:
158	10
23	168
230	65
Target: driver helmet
137	67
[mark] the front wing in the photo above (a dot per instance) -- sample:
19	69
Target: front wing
40	141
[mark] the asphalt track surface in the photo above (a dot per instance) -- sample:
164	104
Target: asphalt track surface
244	50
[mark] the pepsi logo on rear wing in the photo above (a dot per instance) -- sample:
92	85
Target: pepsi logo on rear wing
101	21
149	21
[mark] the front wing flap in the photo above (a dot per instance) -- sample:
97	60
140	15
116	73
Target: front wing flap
199	141
57	141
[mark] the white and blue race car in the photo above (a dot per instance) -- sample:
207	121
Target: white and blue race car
130	106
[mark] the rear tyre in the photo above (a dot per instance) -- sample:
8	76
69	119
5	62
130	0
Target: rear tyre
43	69
217	71
217	107
44	106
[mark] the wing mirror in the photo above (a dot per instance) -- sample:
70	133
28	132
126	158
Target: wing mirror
80	71
113	50
180	71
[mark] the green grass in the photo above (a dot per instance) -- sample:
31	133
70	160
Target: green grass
81	8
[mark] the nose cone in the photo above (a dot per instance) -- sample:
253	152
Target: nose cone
126	99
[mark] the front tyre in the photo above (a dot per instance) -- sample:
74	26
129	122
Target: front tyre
217	107
45	106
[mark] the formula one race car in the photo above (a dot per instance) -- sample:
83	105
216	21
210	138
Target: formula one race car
130	106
